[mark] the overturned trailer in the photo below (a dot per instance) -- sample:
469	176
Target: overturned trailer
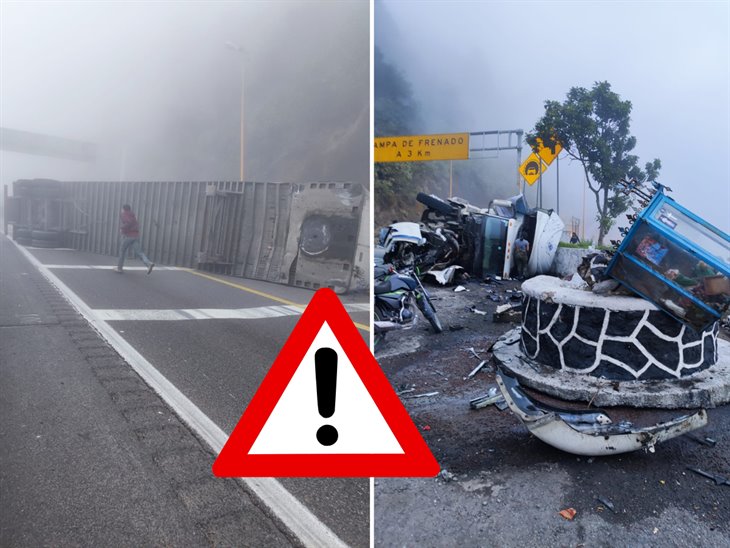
303	234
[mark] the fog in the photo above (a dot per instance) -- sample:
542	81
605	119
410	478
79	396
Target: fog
153	85
491	65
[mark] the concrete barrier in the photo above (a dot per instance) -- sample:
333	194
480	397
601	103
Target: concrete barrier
567	260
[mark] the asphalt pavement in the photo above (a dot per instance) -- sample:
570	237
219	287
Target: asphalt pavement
92	455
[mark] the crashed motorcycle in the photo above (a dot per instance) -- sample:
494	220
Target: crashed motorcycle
397	295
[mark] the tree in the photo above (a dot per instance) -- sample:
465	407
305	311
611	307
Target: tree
397	113
592	126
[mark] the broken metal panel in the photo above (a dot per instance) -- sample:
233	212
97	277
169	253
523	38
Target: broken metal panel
676	260
589	433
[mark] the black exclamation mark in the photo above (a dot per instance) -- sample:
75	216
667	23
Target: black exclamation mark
325	370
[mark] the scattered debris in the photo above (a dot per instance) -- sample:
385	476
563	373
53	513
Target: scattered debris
568	513
605	287
477	311
405	391
490	398
447	476
514	295
446	276
426	427
576	282
501	404
506	313
719	480
426	395
473	352
460	288
476	369
709	442
589	432
606	502
456	327
593	268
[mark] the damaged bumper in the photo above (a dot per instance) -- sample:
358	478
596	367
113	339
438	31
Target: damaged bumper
589	433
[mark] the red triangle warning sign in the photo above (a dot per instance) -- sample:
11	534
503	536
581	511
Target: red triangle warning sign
325	409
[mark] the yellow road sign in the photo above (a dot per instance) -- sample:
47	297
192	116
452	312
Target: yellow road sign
531	168
550	152
418	148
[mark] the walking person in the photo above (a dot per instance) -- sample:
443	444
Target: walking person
129	228
522	254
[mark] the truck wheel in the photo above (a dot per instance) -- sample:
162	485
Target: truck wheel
436	203
379	336
46	235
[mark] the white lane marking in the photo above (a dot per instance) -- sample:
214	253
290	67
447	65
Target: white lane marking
293	514
357	307
167	315
104	267
50	248
258	313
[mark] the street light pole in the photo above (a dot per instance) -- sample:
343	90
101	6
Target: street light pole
240	50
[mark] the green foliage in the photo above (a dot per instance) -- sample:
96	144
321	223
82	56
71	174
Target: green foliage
593	128
396	113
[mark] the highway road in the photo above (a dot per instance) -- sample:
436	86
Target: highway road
204	343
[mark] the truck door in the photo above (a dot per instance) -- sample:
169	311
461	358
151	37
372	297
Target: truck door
494	245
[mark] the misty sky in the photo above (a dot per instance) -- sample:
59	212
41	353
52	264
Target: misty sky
153	85
491	65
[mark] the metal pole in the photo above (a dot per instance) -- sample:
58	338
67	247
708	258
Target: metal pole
583	220
451	178
243	82
557	164
241	52
520	184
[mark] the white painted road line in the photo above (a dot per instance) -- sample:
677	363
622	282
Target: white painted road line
104	267
257	313
292	513
183	314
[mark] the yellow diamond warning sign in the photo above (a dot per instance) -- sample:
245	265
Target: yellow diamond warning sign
548	152
531	168
419	148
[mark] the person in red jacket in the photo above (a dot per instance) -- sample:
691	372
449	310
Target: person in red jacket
129	228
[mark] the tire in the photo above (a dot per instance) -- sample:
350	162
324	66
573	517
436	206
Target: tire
22	233
44	244
437	204
378	337
430	314
46	235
